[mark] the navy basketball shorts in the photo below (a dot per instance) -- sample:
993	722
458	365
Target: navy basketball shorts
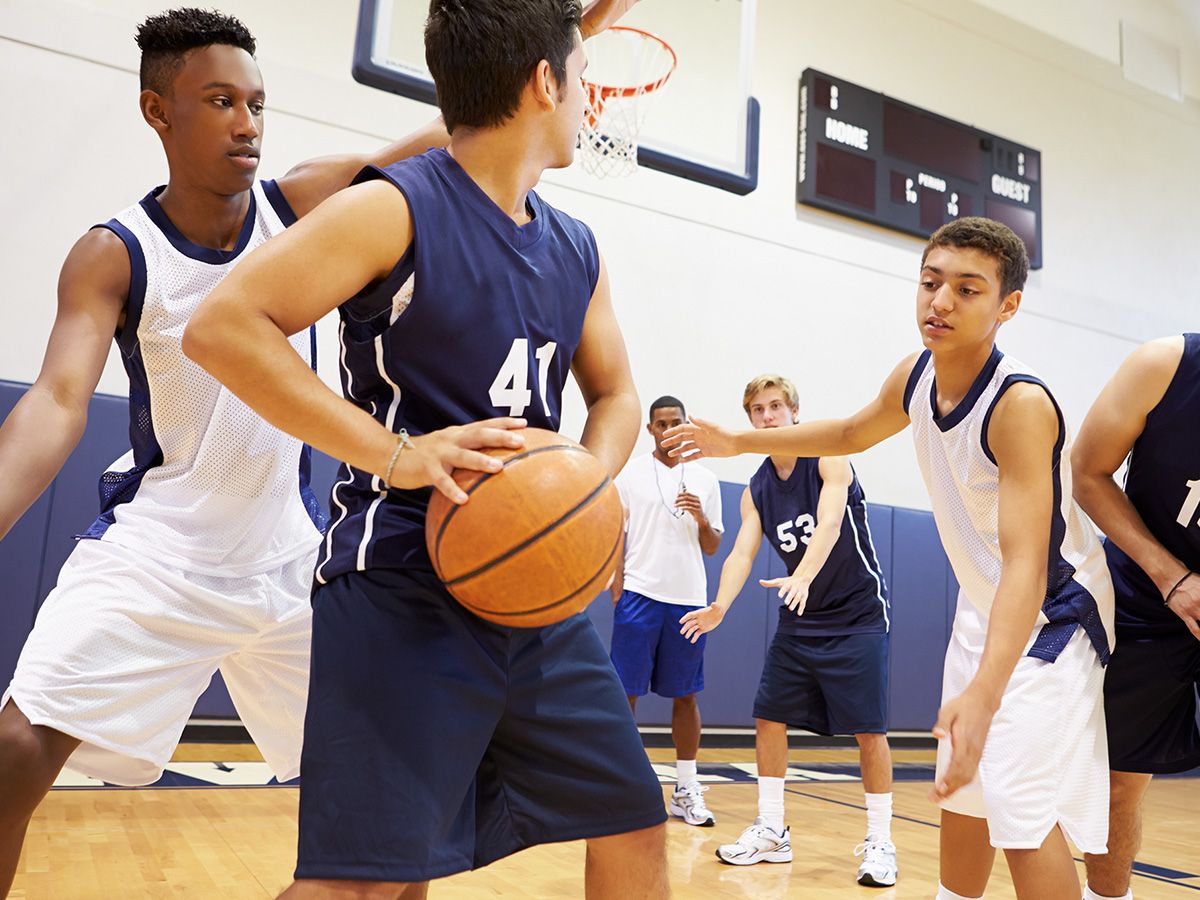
1150	702
648	651
436	742
830	685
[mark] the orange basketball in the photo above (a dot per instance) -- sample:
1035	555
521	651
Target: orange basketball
536	541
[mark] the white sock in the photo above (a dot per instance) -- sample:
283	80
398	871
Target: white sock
879	816
770	801
944	893
1089	894
685	771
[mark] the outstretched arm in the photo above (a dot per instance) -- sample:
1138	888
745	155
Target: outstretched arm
309	183
1113	424
46	424
734	573
1022	434
836	476
240	335
877	421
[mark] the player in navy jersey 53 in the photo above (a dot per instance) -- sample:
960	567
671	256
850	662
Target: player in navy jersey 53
826	670
435	741
1022	753
1149	413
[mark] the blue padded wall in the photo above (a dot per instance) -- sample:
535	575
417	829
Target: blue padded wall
20	561
922	587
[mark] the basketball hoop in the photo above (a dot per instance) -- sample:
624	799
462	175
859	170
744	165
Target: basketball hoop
627	64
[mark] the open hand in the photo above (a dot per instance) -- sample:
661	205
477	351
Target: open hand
701	621
793	591
698	438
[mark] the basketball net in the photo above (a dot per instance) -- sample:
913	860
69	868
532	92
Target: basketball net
627	65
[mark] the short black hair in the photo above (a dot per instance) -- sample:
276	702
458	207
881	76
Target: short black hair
167	38
666	401
481	53
993	238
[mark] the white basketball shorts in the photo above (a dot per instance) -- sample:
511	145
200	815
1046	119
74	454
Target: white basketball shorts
122	648
1045	760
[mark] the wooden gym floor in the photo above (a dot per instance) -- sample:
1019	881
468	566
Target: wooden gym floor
234	843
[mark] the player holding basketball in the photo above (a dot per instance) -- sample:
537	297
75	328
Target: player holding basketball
1148	413
202	556
436	742
827	667
1022	754
673	515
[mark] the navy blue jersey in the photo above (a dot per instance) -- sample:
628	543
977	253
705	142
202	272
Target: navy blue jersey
1163	483
848	596
480	318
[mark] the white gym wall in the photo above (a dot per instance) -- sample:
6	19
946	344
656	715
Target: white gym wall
711	288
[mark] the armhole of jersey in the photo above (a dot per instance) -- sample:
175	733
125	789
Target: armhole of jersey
279	203
127	338
913	377
1004	386
1182	374
375	300
593	258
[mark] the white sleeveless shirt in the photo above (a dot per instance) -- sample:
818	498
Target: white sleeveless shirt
208	485
962	478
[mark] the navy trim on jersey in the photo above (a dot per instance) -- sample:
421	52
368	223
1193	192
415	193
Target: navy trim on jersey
1067	604
914	376
209	255
121	487
307	496
127	337
279	203
960	412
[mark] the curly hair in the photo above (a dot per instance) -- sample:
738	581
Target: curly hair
993	238
166	39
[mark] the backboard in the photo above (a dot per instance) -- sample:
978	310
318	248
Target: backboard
702	126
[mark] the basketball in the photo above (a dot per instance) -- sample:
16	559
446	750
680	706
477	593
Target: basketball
536	541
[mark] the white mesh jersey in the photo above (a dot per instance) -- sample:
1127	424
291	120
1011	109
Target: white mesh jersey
963	481
208	486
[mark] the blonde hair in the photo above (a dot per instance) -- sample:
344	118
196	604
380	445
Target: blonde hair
769	380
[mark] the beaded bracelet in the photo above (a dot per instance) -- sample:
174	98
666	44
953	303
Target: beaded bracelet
403	442
1171	593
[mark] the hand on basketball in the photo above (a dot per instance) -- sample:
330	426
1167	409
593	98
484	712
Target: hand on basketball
600	14
793	591
436	455
965	721
697	438
1185	603
701	621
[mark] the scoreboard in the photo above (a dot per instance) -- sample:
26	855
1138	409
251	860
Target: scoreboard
877	159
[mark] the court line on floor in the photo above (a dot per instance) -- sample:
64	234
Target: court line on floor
1170	881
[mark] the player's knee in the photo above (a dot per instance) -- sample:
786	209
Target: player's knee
685	702
649	843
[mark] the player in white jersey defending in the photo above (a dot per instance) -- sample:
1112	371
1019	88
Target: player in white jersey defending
202	557
1022	752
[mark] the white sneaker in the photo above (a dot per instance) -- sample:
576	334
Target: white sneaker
758	843
878	867
688	803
